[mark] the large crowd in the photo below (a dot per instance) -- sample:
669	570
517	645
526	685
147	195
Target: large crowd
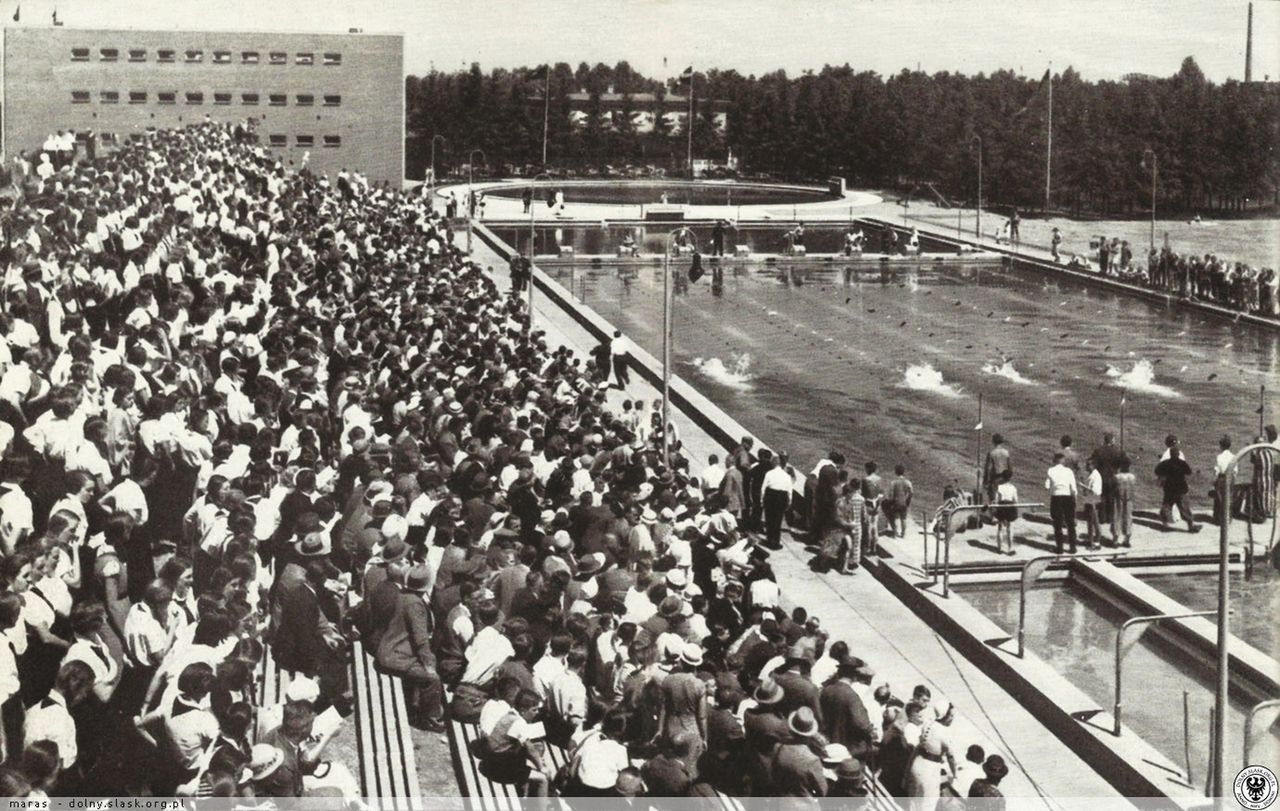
249	412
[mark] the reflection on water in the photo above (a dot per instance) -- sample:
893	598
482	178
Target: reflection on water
1075	634
701	194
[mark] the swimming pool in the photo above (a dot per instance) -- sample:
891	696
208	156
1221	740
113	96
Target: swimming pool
632	192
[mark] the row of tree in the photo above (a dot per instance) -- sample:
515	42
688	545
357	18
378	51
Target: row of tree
1214	144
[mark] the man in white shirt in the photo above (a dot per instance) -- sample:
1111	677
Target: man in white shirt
776	499
1061	484
619	348
488	648
567	698
712	475
1221	464
552	663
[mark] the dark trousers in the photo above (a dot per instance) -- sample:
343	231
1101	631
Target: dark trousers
1062	509
1182	502
620	370
775	509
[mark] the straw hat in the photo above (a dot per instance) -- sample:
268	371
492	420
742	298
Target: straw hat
264	760
802	723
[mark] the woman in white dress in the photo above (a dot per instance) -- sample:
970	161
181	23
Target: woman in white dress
924	775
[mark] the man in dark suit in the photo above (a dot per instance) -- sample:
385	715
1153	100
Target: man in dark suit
304	641
1106	460
669	774
405	651
844	717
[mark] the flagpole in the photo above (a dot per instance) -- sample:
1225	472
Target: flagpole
1262	407
1123	396
546	111
690	122
978	467
1048	161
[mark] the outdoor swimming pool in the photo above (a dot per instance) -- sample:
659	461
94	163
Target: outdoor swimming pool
642	191
1255	602
890	368
1075	633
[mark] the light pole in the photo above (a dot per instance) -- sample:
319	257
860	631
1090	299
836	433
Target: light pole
666	336
471	199
533	187
431	187
1152	153
977	224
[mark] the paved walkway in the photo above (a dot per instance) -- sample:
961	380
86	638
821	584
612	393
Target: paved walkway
903	649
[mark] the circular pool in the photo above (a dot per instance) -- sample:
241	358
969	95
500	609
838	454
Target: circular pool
647	192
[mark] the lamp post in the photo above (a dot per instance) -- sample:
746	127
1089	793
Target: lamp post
431	187
471	201
666	336
528	327
1152	153
977	224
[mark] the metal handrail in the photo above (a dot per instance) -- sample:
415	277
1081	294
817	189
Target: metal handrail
1031	572
1120	650
948	533
1248	725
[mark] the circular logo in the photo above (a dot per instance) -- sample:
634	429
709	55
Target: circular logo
1255	787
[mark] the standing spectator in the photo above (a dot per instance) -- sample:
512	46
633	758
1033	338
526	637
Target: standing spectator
1106	460
1006	494
1173	472
1221	465
1125	484
775	493
898	505
1061	484
1091	495
997	462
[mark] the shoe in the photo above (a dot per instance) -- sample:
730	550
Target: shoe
427	725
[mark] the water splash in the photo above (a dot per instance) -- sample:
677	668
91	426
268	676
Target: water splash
735	374
923	377
1006	370
1141	378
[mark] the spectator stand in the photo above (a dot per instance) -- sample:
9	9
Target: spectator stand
388	768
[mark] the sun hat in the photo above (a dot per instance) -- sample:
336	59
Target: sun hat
835	754
312	545
691	654
418	578
562	541
768	693
670	606
302	689
264	759
802	723
648	516
676	579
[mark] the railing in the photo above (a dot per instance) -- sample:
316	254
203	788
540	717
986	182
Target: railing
1031	571
1125	643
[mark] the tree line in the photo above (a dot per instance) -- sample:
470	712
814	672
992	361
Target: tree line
1214	144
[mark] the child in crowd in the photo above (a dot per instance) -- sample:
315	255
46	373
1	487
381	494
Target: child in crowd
1006	493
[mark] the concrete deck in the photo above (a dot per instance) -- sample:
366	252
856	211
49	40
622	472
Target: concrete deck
903	649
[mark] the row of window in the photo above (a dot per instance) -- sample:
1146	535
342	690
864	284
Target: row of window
197	55
279	140
221	99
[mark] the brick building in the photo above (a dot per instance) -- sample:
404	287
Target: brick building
339	97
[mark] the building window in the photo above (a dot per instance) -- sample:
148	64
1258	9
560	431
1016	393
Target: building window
222	98
249	98
195	98
279	58
167	98
137	97
333	140
306	59
222	57
195	55
279	139
108	54
333	101
137	55
306	99
79	96
249	57
333	59
165	55
109	97
79	54
306	140
277	99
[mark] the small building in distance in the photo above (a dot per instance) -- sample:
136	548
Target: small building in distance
338	97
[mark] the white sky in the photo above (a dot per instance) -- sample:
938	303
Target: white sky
1100	38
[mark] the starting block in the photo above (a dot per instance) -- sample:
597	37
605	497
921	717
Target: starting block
566	250
742	251
797	250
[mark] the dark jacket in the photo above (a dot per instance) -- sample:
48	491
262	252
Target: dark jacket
1173	473
406	643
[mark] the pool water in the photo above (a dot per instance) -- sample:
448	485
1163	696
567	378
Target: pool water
637	192
1075	634
890	367
1255	602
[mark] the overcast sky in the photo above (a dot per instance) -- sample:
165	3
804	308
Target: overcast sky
1100	38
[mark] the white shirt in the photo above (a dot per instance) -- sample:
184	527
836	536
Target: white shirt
1222	462
487	651
600	759
545	671
1060	481
778	479
144	636
712	475
568	697
191	727
49	720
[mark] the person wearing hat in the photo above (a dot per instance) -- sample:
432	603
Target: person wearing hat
845	719
264	761
796	771
794	680
925	769
683	708
308	643
405	651
848	779
764	729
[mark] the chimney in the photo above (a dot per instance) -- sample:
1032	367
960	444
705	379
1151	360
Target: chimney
1248	49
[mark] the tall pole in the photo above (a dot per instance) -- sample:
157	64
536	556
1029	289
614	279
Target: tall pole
431	187
1262	407
546	118
1048	159
666	340
1224	634
1152	152
977	224
1248	56
689	123
533	206
978	467
471	200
